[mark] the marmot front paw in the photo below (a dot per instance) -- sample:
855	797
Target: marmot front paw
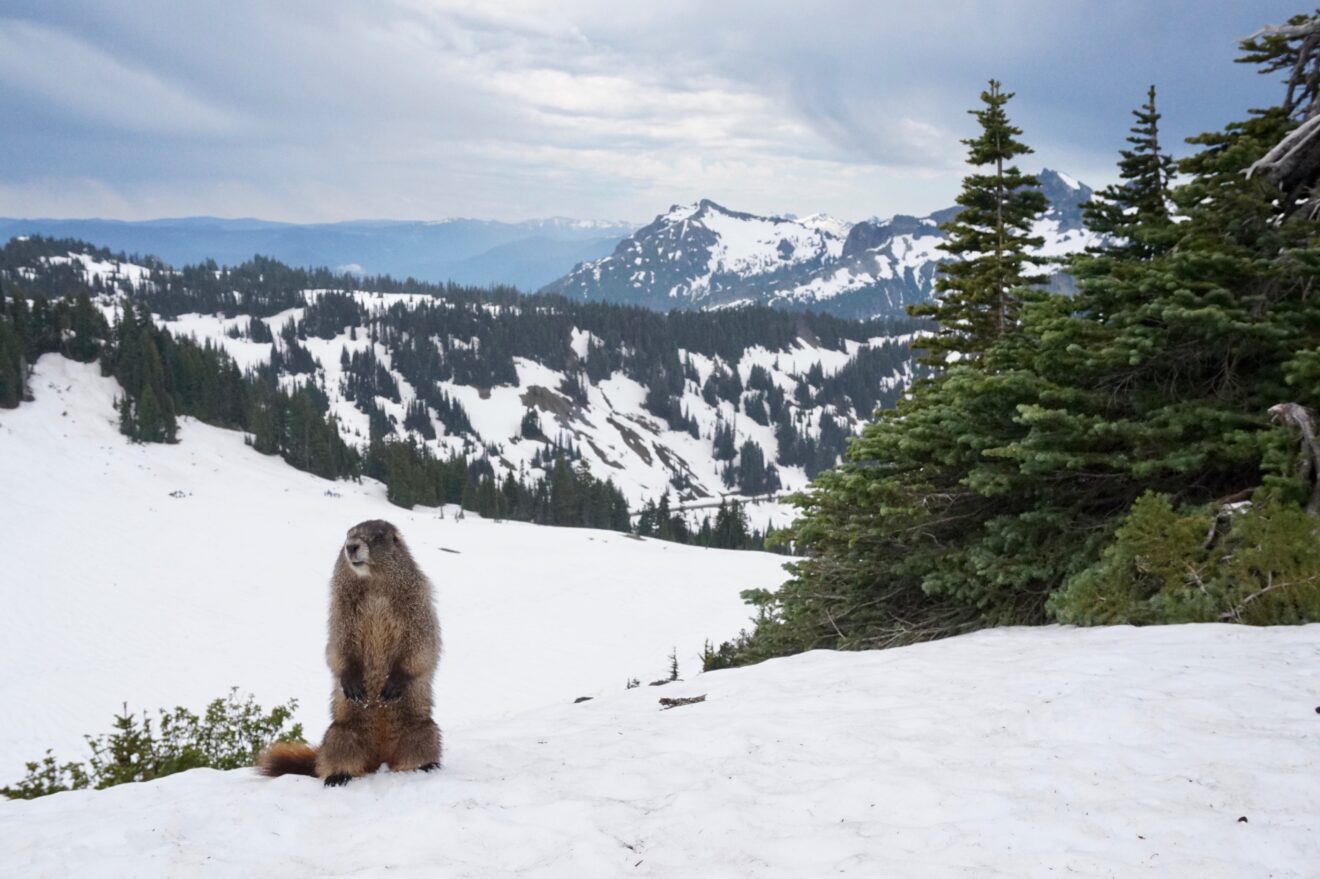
393	689
355	690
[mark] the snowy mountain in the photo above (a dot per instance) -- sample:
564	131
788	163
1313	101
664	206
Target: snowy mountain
481	252
699	406
706	256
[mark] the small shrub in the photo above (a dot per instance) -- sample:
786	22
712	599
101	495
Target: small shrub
1260	566
228	735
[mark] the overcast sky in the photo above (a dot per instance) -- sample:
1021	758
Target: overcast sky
323	110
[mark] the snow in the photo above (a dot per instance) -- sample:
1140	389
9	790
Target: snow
582	341
678	213
117	592
1161	751
1060	242
827	224
750	245
1070	182
107	271
375	300
1017	752
214	328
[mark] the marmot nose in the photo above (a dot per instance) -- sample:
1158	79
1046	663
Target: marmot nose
353	548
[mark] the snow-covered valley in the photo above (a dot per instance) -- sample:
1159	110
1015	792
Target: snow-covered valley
1166	751
117	591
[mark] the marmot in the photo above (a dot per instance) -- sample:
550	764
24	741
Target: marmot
383	647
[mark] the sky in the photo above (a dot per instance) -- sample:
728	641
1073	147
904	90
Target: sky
328	110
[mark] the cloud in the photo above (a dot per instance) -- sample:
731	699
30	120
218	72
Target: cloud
330	109
79	80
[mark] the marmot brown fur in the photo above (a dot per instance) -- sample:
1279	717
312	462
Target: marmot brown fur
383	647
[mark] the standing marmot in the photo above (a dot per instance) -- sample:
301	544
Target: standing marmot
383	646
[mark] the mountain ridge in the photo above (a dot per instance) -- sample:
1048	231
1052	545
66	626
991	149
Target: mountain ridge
463	250
706	255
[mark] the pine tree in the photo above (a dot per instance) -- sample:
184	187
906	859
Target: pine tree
976	300
724	449
149	420
1136	211
11	377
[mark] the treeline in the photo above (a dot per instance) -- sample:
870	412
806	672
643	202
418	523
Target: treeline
1141	452
729	529
566	495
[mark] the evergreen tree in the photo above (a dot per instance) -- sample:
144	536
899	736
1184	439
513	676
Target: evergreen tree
976	302
12	380
531	425
1136	211
149	419
724	441
418	420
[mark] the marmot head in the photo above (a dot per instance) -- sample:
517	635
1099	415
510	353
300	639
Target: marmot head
372	543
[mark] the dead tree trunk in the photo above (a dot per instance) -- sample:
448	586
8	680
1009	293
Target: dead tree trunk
1308	455
1293	164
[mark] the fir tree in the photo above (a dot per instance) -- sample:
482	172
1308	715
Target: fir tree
1136	211
976	301
149	423
11	375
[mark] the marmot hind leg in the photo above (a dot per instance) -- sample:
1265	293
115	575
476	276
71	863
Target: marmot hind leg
418	747
344	754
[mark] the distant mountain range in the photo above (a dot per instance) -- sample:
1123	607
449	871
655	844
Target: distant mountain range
699	256
526	255
707	256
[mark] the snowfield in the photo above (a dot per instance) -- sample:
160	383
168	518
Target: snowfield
1016	753
115	591
1186	751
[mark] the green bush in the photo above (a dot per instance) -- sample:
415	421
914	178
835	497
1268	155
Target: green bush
228	735
1259	566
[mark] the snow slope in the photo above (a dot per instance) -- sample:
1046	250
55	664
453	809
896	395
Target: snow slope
614	433
116	591
1013	753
